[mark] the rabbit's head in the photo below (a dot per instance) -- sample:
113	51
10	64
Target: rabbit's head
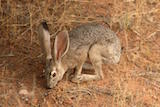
54	67
54	70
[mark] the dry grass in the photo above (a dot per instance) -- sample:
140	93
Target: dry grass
133	82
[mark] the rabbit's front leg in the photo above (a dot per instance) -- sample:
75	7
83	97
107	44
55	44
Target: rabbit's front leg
78	71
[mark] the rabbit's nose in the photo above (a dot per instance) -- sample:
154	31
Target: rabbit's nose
49	86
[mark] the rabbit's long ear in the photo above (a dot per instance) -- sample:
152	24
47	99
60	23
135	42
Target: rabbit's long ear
61	45
44	38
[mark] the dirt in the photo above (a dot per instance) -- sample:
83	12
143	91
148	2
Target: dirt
133	82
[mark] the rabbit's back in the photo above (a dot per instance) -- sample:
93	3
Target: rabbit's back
89	34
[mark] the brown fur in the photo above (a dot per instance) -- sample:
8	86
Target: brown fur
91	42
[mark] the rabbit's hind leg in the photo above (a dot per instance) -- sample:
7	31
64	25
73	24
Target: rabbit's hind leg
96	60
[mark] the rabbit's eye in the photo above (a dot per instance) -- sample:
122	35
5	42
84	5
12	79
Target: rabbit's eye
53	74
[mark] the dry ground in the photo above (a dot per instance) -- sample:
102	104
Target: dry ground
134	82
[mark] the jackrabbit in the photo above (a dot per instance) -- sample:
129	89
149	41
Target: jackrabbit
91	41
